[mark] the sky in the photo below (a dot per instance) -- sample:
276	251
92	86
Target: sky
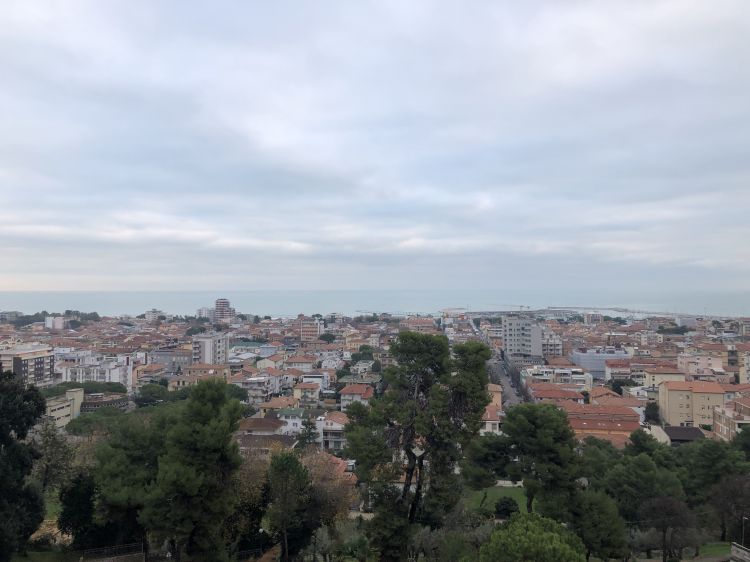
185	145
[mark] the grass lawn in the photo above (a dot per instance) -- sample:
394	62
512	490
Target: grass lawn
52	504
494	493
715	549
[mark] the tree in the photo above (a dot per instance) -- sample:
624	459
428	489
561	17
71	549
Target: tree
192	494
78	513
55	460
242	528
486	460
289	490
150	394
706	461
505	507
596	521
544	444
652	412
128	466
665	514
597	457
532	538
617	385
429	408
635	480
327	337
308	435
21	504
102	421
730	498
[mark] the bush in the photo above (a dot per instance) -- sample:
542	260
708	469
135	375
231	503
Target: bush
505	507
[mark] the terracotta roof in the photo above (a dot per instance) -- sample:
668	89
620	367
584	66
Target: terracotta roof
663	371
359	389
557	394
617	363
599	391
695	386
279	402
492	413
338	417
622	426
307	386
736	387
626	401
301	359
260	424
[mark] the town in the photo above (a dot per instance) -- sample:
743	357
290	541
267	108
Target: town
631	383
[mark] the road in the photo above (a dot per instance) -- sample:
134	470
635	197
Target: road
499	375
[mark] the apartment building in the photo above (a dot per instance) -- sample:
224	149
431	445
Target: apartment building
594	360
331	430
62	409
574	378
522	339
310	329
33	363
211	348
732	418
689	404
174	359
357	392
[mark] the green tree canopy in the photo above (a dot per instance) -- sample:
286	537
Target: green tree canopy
532	538
21	504
192	494
596	521
289	492
544	444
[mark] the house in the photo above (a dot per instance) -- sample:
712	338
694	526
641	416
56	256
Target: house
689	404
358	392
273	362
261	426
277	403
654	376
492	419
611	423
304	363
322	378
496	394
259	389
331	430
547	392
263	445
307	394
208	371
682	435
292	418
732	418
362	367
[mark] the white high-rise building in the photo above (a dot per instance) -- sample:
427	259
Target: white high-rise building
211	349
223	311
522	339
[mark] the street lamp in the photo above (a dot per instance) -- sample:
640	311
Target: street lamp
743	530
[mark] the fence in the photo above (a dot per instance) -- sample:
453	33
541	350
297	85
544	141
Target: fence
114	552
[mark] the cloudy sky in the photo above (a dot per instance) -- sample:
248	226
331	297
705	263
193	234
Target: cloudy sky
208	145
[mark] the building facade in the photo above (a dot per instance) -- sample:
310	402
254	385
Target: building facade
33	363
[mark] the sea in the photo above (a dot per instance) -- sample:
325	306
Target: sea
287	303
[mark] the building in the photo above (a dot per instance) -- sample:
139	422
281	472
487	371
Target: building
359	392
54	322
292	418
98	369
173	359
304	363
153	315
611	423
211	348
33	363
522	339
97	400
572	378
732	418
223	311
689	404
205	312
594	360
307	394
654	376
310	329
492	419
62	409
331	430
